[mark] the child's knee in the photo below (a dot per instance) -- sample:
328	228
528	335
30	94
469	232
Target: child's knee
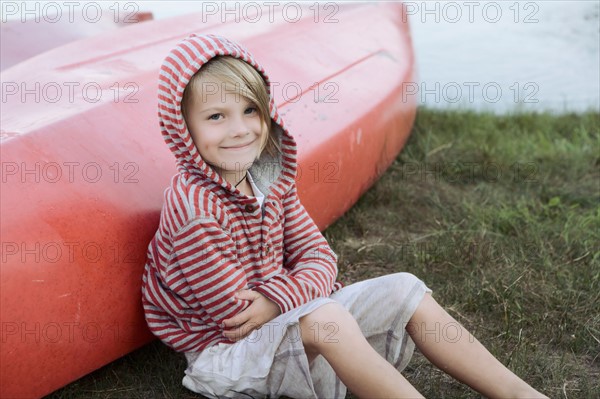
332	312
400	286
398	292
406	278
323	325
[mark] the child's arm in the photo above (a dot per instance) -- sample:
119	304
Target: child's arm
312	264
207	259
191	277
261	310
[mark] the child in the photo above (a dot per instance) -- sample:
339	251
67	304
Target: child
240	279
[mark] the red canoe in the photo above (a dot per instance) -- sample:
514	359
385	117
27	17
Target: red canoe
84	165
23	39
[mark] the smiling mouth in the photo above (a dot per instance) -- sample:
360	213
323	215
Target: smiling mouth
239	147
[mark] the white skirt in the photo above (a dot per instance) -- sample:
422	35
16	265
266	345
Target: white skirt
271	361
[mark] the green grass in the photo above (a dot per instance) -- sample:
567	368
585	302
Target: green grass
500	216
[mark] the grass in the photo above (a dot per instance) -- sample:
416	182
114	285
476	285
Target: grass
500	216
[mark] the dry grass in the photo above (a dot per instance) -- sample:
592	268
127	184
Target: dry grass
504	227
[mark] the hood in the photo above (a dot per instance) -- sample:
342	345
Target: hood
177	69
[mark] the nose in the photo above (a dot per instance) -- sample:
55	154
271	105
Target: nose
239	127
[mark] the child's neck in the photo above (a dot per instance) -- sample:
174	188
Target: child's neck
246	188
237	179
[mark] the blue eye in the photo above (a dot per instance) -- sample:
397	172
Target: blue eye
214	117
250	110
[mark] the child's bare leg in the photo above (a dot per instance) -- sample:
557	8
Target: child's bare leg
454	350
357	364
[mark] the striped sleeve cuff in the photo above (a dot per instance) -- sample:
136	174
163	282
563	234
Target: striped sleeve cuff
273	292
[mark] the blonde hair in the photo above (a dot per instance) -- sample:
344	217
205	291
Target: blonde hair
241	79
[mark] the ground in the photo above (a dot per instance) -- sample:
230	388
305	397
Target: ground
500	216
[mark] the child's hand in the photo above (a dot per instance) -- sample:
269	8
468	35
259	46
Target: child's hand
260	311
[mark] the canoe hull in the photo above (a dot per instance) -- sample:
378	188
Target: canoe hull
21	40
83	176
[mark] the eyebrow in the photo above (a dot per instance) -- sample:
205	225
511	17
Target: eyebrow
217	109
213	109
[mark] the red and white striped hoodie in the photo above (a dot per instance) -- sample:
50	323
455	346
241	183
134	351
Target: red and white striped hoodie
212	239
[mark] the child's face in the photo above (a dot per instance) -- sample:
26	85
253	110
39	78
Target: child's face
225	127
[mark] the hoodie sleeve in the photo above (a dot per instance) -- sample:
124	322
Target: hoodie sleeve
311	263
206	256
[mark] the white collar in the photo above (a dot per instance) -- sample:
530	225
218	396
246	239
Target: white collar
257	193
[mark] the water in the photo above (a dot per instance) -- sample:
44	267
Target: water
540	56
500	56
